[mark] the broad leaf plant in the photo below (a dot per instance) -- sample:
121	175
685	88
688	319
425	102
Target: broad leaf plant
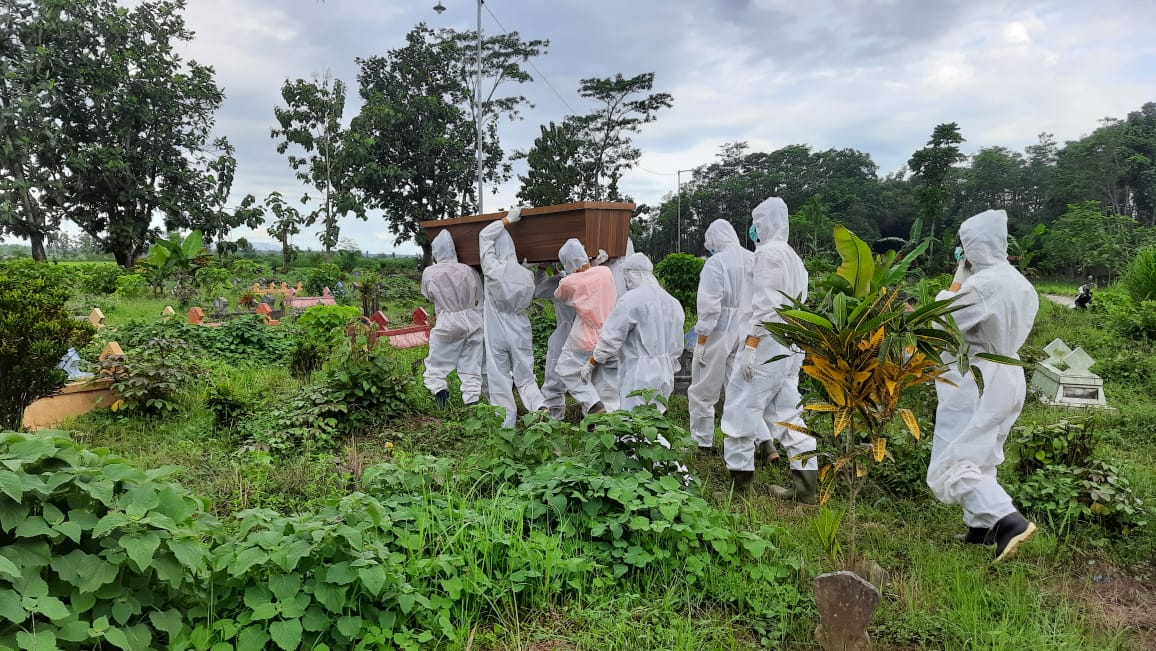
865	347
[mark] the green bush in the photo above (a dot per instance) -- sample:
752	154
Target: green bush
320	277
152	376
327	323
678	273
1124	315
97	278
26	269
35	332
1061	478
1140	277
95	553
131	285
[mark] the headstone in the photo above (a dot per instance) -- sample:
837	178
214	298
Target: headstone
325	292
168	312
380	319
420	317
70	364
264	308
111	360
298	289
220	305
1066	379
269	300
196	315
96	318
846	605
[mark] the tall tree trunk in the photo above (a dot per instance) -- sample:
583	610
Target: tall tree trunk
126	259
426	253
37	241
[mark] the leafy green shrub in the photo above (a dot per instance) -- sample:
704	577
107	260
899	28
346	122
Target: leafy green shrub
1127	317
25	269
153	375
247	338
327	323
35	332
98	278
131	285
320	277
1140	277
306	356
95	553
211	279
227	405
1062	479
678	273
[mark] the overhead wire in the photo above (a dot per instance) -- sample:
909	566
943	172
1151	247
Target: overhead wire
530	61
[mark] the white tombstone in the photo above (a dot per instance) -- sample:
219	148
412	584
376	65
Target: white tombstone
1065	378
70	364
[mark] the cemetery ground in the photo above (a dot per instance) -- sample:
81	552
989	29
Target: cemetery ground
1083	582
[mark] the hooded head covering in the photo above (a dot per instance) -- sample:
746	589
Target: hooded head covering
443	248
721	235
573	256
984	239
637	270
770	221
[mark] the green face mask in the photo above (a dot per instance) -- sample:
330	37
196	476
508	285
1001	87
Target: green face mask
959	256
754	233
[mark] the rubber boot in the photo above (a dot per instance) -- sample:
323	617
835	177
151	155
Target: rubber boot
975	536
596	408
443	398
804	487
1009	532
766	453
741	482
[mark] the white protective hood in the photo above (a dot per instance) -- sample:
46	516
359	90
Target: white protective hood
720	236
771	221
637	270
984	239
573	256
443	248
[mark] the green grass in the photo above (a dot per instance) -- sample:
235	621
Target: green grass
937	595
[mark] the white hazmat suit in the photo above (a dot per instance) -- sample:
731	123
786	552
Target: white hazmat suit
645	331
509	288
455	342
724	315
970	427
553	389
759	394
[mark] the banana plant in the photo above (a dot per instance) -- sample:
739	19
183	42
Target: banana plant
178	259
866	347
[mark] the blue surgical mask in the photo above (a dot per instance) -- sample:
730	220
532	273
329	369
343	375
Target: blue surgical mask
710	251
754	233
959	256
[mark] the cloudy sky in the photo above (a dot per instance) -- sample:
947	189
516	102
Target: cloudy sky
876	75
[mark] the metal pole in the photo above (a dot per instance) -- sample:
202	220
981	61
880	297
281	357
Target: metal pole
479	108
679	184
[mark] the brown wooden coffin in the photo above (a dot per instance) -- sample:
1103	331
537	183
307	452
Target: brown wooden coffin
543	230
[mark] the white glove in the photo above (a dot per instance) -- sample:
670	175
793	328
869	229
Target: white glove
602	257
514	215
526	264
747	362
700	354
587	372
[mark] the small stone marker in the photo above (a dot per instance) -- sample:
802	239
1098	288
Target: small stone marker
380	319
846	605
220	304
325	292
196	316
168	312
1065	378
420	317
96	318
111	360
266	311
70	364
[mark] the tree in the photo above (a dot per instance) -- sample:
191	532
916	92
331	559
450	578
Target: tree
932	166
311	120
38	41
131	117
607	151
995	181
210	216
288	223
36	330
1085	240
413	141
553	178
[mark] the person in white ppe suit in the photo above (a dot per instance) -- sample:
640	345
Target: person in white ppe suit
724	312
761	394
553	389
508	290
456	339
590	291
645	331
971	427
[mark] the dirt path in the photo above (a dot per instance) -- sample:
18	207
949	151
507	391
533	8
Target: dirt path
1060	299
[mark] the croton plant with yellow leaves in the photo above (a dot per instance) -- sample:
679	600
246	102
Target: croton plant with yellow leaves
865	346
